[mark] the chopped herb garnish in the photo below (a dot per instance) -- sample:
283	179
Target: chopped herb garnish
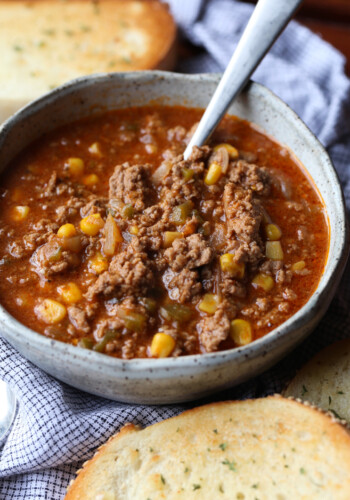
255	486
151	450
17	48
196	487
304	390
329	400
215	431
178	429
85	29
112	63
69	32
294	450
208	449
340	392
41	44
186	470
231	465
223	446
221	488
126	59
302	470
162	479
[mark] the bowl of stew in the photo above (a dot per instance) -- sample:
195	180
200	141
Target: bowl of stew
132	274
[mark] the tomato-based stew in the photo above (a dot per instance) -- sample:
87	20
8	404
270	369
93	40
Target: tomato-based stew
112	242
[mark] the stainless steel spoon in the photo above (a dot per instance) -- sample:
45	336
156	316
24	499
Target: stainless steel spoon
267	21
7	410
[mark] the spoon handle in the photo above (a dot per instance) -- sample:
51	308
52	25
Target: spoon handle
266	23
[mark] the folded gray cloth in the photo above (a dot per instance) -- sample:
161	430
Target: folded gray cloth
57	427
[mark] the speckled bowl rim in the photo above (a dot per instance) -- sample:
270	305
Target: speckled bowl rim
333	270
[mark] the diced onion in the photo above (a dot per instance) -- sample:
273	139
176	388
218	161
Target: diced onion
161	172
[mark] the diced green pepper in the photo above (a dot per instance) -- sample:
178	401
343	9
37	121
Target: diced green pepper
133	321
86	343
128	211
181	212
108	336
150	305
177	312
187	173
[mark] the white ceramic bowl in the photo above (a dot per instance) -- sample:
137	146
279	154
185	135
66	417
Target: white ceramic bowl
173	380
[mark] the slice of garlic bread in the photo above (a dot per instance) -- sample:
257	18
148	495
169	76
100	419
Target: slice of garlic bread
44	43
271	448
325	380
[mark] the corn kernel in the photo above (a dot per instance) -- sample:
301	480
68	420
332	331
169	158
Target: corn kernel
298	266
17	194
213	174
209	303
169	237
263	281
228	265
91	180
50	311
232	151
91	224
66	231
20	212
273	232
274	250
75	166
70	293
151	148
95	149
98	264
162	345
241	331
134	230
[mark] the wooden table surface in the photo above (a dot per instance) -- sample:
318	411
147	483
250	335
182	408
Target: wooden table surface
330	19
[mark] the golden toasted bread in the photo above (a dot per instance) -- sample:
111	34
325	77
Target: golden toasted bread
325	380
271	448
44	43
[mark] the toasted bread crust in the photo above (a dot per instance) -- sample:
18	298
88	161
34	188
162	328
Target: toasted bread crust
325	380
44	43
271	447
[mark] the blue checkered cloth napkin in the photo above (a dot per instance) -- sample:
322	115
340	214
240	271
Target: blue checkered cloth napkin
57	427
